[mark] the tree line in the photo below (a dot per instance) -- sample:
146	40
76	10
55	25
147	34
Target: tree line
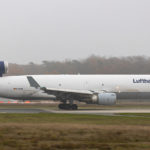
91	65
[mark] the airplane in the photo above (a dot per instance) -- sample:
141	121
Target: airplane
91	89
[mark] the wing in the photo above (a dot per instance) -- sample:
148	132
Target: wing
68	94
62	94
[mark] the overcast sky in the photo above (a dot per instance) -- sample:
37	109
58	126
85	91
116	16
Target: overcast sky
36	30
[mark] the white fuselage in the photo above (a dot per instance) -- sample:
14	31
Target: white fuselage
18	87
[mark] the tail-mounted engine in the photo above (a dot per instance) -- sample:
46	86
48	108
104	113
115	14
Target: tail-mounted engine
3	68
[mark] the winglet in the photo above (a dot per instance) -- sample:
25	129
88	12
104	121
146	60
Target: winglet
32	82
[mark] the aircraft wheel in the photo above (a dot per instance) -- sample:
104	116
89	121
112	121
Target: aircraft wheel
68	106
74	107
64	106
61	106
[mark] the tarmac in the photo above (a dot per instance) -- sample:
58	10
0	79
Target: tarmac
89	111
32	111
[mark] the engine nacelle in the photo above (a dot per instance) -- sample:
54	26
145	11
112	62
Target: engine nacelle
105	99
3	68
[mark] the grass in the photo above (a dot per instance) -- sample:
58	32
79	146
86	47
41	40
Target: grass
44	131
56	136
67	131
136	114
74	119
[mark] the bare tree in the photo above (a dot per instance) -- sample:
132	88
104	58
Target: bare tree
91	65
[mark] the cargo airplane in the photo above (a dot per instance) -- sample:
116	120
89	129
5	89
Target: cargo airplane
91	89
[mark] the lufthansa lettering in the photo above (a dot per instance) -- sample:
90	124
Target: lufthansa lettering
141	81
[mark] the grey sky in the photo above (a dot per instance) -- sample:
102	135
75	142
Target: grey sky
36	30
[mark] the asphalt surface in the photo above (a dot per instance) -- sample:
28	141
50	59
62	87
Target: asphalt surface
98	112
103	112
10	110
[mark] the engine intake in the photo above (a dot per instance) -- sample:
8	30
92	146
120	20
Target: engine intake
105	99
3	68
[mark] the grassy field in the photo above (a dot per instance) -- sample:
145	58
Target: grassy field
66	131
75	132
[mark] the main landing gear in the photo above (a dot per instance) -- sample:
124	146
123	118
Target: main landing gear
68	106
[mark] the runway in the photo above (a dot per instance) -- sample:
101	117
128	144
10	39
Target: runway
103	112
32	111
94	112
